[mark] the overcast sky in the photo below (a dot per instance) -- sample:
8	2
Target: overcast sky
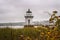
14	10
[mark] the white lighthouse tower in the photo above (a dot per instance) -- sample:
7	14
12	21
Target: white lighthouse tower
28	19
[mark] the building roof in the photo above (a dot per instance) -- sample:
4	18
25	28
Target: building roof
28	11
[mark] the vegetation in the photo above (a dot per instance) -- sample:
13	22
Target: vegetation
41	33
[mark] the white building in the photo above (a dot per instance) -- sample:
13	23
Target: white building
28	18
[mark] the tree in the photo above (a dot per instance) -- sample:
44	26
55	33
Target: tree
53	18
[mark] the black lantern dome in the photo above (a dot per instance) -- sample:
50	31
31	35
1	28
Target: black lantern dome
28	11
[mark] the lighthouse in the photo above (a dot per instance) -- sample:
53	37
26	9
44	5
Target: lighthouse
28	19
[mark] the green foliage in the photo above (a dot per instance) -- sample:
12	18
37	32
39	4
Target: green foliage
58	24
40	33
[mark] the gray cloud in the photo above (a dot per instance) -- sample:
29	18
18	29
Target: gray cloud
14	10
